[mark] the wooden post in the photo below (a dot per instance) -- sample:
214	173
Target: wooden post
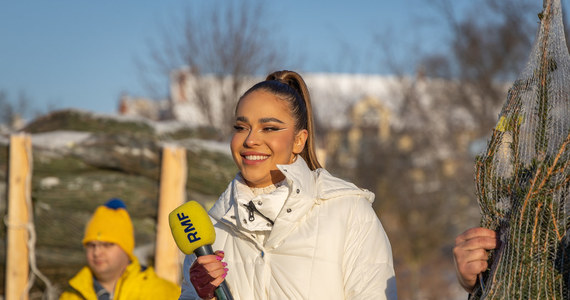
172	194
19	189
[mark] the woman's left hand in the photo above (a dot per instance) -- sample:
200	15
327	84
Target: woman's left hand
207	273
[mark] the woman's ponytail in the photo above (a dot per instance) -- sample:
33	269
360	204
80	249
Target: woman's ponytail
303	116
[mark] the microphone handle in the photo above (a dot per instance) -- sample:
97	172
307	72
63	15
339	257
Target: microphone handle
204	250
222	291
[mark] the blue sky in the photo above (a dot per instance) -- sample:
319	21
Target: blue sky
81	54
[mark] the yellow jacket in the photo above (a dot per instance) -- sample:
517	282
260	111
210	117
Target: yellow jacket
136	283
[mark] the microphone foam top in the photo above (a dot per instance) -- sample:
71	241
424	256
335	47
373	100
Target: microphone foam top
191	227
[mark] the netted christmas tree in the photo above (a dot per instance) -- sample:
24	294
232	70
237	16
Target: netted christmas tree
523	178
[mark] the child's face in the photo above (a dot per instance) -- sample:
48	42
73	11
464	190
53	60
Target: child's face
264	137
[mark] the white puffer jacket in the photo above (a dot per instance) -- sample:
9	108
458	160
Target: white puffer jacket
326	243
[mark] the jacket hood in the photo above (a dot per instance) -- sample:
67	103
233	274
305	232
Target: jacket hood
327	186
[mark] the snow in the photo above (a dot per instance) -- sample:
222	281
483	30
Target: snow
59	139
168	126
201	144
332	95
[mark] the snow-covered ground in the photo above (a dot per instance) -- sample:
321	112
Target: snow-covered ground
59	139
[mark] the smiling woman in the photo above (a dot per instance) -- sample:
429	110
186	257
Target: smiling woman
265	136
289	229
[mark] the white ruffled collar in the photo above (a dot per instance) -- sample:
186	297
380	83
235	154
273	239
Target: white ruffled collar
268	189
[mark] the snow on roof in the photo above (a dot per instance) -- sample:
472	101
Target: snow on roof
333	95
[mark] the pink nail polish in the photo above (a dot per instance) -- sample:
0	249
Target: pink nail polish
224	275
218	258
226	269
224	264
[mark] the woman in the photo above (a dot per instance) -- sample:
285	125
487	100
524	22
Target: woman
289	229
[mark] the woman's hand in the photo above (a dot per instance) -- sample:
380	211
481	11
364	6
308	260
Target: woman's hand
207	273
470	254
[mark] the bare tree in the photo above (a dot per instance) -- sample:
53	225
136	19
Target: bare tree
426	197
12	112
228	42
484	53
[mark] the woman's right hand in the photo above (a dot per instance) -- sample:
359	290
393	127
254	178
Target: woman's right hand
470	254
207	273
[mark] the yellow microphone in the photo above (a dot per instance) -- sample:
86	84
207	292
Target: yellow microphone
194	232
192	228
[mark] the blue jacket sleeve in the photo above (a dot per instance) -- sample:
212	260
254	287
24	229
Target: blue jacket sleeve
188	291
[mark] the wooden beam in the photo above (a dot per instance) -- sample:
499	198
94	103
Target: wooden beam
172	194
19	189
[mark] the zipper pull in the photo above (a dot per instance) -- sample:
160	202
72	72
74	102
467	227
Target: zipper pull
250	210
